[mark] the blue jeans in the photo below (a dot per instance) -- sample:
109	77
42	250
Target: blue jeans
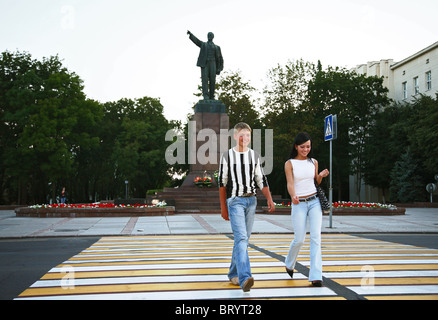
299	220
241	211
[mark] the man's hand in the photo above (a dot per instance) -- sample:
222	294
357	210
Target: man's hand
267	194
223	201
224	214
271	206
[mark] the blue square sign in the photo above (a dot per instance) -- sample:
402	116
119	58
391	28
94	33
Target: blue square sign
328	128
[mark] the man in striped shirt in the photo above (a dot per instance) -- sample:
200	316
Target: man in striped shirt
240	173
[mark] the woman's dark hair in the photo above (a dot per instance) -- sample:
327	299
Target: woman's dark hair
300	139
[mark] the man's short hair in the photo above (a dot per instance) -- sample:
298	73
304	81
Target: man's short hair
241	126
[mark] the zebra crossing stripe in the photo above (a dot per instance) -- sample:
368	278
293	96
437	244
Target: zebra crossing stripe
196	267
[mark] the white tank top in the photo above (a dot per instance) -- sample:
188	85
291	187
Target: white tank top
304	174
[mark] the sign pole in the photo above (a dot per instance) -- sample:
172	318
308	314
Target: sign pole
330	133
330	187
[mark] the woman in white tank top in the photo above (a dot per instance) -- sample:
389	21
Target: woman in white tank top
301	171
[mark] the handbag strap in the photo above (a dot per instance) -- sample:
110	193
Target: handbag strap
314	179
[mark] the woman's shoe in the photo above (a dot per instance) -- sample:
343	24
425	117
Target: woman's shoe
317	283
290	272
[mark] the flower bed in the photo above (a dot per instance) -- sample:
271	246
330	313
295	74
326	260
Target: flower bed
355	205
348	208
95	205
94	210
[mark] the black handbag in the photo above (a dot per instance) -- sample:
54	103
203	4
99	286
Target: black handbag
325	205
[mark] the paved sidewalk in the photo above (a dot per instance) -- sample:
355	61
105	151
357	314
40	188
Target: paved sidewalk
416	220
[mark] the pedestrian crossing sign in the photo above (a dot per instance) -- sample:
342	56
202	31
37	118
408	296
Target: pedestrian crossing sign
330	128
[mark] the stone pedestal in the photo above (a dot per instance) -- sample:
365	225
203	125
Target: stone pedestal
204	140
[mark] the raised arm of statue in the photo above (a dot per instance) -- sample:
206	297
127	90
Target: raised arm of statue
194	39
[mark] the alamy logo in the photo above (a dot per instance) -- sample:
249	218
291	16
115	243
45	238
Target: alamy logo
368	277
210	144
68	280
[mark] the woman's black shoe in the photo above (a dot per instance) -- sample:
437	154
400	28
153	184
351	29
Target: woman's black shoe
290	272
317	283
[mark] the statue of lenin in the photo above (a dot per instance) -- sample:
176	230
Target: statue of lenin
211	62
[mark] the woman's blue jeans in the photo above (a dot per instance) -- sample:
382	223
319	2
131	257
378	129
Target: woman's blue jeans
300	211
241	211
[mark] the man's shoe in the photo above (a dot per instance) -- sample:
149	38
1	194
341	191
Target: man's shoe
290	272
248	284
235	281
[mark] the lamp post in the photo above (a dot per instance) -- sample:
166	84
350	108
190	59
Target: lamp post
126	189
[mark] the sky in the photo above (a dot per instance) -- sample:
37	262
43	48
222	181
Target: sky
136	48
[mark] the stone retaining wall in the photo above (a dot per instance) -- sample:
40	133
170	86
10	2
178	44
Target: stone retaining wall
93	212
348	211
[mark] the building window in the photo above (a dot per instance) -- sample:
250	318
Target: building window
405	90
416	86
429	80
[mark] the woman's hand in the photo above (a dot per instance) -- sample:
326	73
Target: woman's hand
295	200
324	173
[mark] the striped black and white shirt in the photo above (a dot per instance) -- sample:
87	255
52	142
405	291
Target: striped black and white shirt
241	172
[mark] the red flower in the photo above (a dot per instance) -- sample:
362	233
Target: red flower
198	180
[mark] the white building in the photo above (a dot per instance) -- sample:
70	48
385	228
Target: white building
408	78
405	80
413	75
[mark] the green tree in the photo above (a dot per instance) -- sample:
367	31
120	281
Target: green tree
52	136
423	133
406	183
82	182
285	110
43	105
355	99
287	86
385	142
236	94
17	97
403	126
139	148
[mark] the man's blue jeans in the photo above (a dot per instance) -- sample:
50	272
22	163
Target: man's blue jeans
241	211
299	220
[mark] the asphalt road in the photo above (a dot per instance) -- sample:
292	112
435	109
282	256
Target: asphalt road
24	261
427	240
